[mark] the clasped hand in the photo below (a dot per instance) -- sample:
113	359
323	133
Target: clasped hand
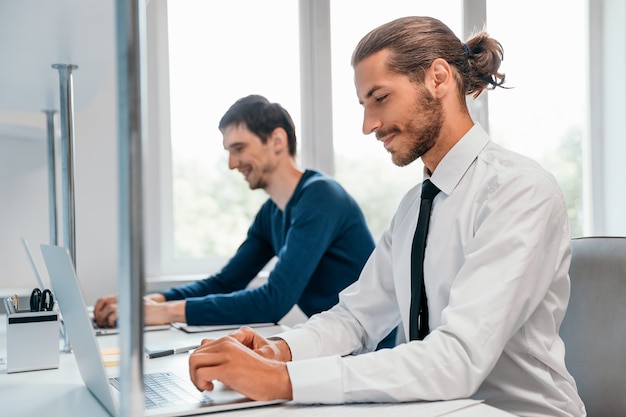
244	361
157	311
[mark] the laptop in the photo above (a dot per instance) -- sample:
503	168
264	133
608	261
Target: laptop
100	331
33	264
90	363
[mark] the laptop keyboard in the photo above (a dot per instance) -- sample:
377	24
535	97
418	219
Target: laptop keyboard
165	389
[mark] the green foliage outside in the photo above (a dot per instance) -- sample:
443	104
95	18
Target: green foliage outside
566	164
213	208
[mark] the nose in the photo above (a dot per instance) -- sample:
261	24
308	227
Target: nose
233	162
370	121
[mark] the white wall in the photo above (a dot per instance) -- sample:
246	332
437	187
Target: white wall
68	32
23	203
97	193
24	197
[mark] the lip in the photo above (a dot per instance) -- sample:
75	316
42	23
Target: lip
386	140
245	173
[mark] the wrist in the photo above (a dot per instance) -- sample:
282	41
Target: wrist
176	311
282	349
157	297
286	390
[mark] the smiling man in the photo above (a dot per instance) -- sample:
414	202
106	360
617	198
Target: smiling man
485	323
311	225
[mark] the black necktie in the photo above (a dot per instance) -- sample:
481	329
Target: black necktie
418	323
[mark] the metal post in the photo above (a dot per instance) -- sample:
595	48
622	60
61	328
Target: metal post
130	29
66	97
52	203
52	194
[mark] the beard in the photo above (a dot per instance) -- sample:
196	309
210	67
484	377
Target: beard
421	130
258	179
256	183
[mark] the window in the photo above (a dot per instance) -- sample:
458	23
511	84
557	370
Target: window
217	55
362	165
544	114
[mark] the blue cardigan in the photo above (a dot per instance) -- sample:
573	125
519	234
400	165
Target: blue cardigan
321	242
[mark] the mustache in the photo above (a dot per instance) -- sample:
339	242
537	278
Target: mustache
382	133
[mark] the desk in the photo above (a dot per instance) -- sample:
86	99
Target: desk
61	392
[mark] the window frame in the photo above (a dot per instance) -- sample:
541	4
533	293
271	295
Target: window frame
602	170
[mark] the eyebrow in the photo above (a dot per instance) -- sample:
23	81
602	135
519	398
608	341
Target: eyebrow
371	92
234	144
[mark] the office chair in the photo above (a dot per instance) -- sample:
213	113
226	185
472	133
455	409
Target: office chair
594	327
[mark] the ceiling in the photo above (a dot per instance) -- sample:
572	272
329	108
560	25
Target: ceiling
34	34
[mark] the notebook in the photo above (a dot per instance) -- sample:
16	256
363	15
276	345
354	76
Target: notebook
91	366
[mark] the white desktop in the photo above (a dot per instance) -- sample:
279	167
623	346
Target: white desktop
61	392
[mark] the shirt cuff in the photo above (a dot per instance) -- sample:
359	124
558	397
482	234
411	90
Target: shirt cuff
316	381
300	344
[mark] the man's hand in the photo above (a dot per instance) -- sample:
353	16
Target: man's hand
245	362
105	311
276	349
157	310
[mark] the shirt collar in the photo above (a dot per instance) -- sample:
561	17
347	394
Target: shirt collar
458	159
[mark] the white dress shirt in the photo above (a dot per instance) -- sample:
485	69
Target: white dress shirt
496	276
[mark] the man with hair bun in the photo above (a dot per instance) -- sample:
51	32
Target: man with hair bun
481	304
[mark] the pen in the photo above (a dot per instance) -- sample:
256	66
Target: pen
185	349
158	353
16	303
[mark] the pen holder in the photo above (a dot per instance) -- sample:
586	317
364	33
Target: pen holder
32	341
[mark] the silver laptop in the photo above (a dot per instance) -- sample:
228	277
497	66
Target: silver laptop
100	331
91	366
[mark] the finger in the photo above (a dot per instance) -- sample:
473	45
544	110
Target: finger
102	316
112	318
203	368
206	341
248	337
100	304
241	334
207	346
202	382
103	304
204	379
213	353
268	352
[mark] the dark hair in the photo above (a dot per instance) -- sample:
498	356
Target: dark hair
416	41
260	117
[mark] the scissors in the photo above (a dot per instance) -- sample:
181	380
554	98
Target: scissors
41	300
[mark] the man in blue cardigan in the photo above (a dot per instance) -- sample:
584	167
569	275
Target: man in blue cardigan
310	223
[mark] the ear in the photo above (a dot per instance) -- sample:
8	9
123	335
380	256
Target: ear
278	140
439	78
